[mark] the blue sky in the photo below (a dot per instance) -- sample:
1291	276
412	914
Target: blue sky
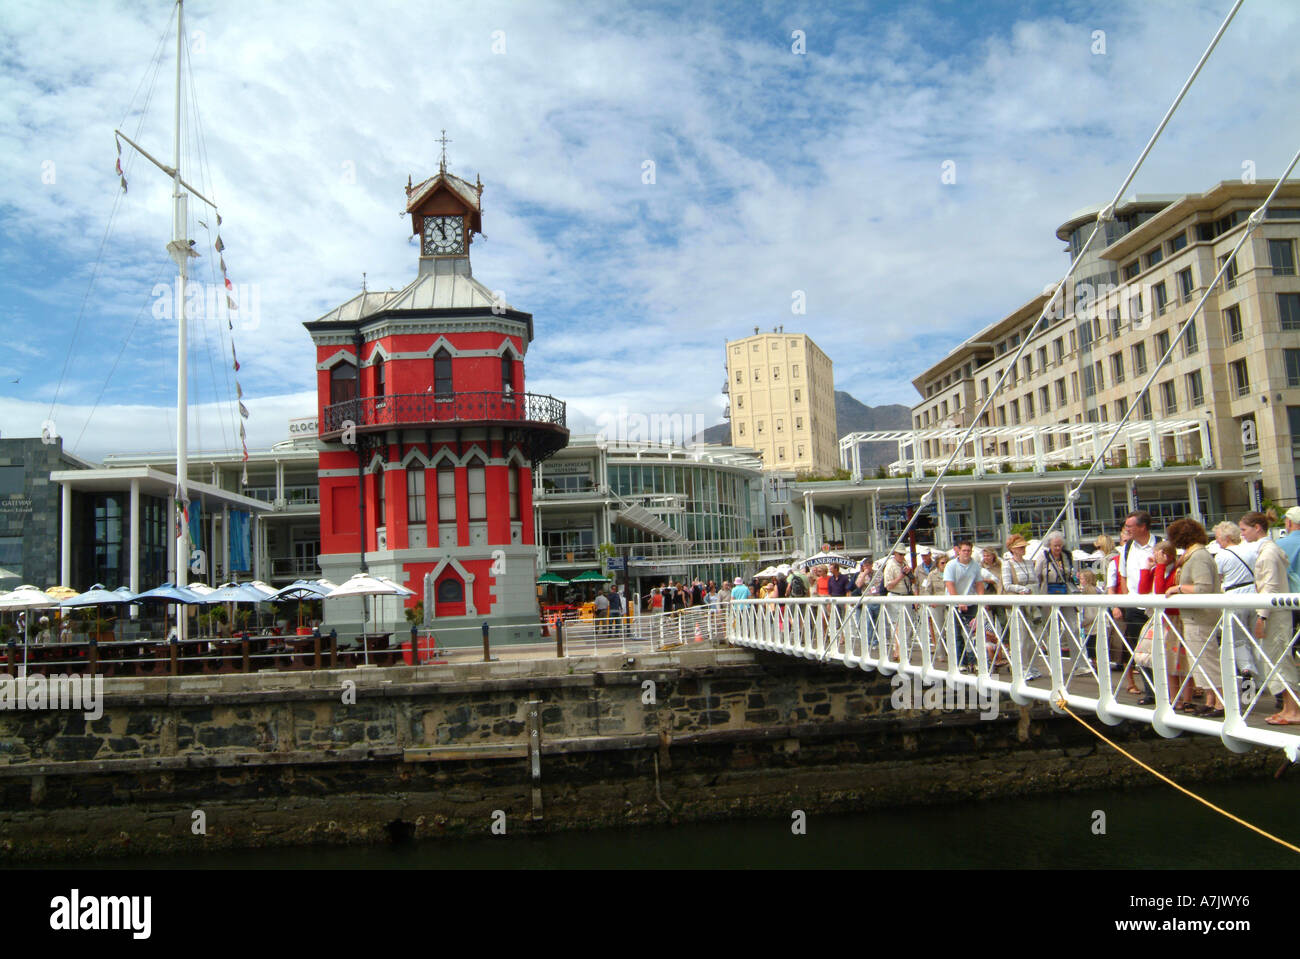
774	172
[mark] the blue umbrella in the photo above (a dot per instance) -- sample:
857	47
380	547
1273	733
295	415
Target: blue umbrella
97	595
236	593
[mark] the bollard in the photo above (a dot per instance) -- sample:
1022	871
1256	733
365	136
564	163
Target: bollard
559	637
12	661
173	652
315	642
243	649
92	656
487	653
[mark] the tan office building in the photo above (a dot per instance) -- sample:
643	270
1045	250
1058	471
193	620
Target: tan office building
782	401
1236	372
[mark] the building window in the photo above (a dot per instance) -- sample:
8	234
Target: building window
780	425
1074	386
507	373
446	494
1043	397
1002	416
742	428
760	426
381	501
1293	418
780	452
1288	310
1058	350
1292	367
1113	315
776	373
343	383
1140	359
1191	340
1132	269
798	422
1085	335
1178	242
1144	408
800	452
476	475
1235	332
415	493
1089	382
1162	342
1240	378
1230	277
1121	407
1168	397
1185	285
1117	368
797	394
442	372
1060	392
740	402
758	376
1029	406
1153	256
1160	297
1281	254
740	376
1101	379
514	492
1028	364
794	371
1042	358
381	385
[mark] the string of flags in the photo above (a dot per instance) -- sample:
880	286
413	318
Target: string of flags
231	305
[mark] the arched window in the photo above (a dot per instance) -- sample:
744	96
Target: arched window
476	474
514	492
451	590
415	493
442	372
447	494
449	595
381	509
507	373
343	383
381	387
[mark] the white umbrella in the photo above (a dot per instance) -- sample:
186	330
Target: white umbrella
23	598
362	584
766	573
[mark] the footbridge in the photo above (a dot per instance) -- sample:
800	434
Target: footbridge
1069	651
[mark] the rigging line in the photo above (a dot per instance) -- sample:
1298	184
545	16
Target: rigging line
155	59
1107	213
125	343
1061	704
200	141
117	200
1253	221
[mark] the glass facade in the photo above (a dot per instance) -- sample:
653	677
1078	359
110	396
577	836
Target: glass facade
714	504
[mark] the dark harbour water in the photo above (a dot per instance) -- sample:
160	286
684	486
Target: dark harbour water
1149	828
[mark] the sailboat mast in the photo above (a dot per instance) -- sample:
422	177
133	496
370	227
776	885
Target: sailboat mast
181	253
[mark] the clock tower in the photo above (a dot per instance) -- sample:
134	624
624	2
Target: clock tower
429	437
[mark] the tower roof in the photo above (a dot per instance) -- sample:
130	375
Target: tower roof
446	285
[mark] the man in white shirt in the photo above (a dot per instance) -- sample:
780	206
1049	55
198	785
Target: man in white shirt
961	577
1133	558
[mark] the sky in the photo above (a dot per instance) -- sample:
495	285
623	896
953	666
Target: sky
658	178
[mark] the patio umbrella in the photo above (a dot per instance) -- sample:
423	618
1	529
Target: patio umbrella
591	576
171	594
825	559
97	595
61	592
363	584
299	590
767	573
551	579
23	598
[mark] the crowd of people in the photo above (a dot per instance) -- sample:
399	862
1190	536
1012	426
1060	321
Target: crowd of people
1245	559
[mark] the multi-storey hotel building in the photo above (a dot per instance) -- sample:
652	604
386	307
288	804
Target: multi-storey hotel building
782	401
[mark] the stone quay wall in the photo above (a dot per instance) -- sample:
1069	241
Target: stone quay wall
372	755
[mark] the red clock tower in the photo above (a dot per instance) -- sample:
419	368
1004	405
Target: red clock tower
428	436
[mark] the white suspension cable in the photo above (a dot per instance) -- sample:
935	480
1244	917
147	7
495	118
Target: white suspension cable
1107	213
1252	222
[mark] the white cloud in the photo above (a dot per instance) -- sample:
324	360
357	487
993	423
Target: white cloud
773	173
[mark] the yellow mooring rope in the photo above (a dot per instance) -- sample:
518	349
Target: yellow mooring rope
1162	776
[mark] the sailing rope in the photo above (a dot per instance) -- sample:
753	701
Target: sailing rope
1107	213
1163	778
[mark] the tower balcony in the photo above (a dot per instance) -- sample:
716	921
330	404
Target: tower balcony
541	418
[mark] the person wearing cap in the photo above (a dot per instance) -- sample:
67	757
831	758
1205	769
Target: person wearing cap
739	590
898	575
1018	579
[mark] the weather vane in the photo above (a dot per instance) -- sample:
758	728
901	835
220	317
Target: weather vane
444	141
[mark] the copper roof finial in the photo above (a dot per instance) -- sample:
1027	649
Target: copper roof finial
408	184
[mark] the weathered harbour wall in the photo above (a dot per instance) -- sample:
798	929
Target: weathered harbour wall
293	758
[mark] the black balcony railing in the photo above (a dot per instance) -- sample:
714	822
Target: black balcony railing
413	409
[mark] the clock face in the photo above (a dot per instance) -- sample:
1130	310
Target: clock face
444	235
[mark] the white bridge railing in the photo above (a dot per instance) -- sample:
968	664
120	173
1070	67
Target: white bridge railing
1028	648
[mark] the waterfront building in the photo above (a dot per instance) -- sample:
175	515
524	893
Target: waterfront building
428	436
1237	370
781	390
658	512
30	532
